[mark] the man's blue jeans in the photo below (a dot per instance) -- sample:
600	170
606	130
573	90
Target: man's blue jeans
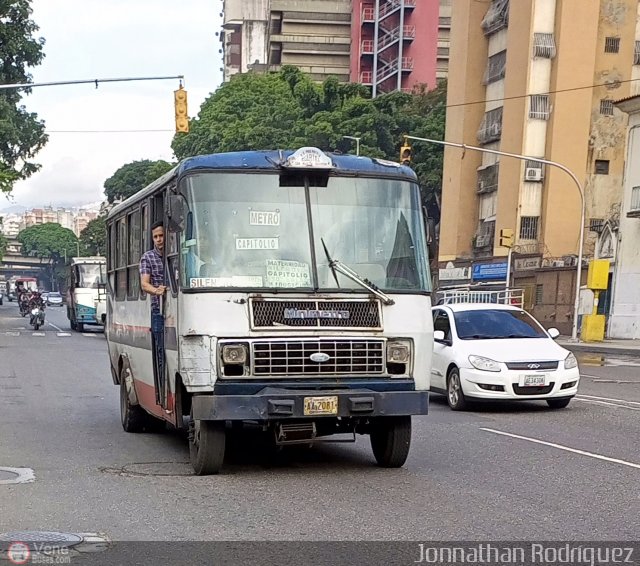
157	333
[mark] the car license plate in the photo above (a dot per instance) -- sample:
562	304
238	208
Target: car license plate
533	380
321	406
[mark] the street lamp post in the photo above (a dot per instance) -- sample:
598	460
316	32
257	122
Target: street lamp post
576	303
357	140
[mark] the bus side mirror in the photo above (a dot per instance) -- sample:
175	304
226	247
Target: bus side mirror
176	218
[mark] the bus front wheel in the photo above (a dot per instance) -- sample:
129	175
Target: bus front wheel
391	440
207	441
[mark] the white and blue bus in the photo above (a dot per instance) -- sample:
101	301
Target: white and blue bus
86	292
298	299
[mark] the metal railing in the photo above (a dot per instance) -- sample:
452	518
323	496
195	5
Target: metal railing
513	297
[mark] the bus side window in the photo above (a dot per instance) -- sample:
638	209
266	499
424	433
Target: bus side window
144	237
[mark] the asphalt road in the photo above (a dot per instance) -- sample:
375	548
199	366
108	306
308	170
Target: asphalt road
501	472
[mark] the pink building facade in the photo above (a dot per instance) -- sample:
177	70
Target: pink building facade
394	44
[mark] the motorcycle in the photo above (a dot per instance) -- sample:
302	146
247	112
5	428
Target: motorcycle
37	317
37	314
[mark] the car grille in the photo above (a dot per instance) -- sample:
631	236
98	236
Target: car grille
542	390
313	314
532	366
346	357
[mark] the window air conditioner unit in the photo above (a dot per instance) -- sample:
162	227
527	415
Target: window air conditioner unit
482	241
533	174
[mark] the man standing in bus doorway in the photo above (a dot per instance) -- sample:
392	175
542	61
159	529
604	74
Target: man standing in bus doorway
152	282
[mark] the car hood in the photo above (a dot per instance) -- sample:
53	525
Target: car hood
516	349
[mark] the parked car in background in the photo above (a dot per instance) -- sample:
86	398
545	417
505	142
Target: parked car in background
498	352
54	299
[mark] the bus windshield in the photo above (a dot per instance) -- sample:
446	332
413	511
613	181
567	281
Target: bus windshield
247	231
91	275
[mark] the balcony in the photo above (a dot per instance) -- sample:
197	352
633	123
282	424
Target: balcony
387	7
407	63
367	47
366	77
634	209
409	32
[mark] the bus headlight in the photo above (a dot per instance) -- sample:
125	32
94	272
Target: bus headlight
234	354
399	357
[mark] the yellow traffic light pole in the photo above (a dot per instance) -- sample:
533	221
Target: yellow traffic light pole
576	303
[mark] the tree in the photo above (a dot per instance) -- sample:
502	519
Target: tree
287	110
93	239
49	240
22	135
3	246
133	177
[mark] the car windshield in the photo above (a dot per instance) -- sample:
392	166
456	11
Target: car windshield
53	295
487	324
245	230
91	275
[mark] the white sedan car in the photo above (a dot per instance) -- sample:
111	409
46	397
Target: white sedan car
496	352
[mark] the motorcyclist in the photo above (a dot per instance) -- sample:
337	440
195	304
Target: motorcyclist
23	297
36	302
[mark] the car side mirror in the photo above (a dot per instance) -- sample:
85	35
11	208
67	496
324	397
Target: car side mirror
438	336
553	332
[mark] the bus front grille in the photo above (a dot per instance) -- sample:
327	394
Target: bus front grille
316	313
332	357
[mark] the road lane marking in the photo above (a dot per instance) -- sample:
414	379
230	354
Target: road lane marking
89	334
605	404
39	334
56	327
583	396
64	334
566	448
12	333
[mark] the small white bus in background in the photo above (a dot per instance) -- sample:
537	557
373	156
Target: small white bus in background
298	300
86	292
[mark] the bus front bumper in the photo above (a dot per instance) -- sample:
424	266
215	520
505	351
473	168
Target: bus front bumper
272	404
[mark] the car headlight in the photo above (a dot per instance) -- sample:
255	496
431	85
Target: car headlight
570	362
234	354
484	364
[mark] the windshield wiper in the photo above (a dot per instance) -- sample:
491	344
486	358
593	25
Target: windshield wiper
336	265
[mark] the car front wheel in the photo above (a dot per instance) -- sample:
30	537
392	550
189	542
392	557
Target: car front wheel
455	395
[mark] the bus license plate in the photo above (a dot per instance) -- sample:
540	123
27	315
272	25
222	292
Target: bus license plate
320	406
536	380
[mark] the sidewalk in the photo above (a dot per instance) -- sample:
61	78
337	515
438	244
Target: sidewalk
612	347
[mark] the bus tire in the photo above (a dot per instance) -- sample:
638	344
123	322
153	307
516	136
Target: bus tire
207	440
391	440
133	417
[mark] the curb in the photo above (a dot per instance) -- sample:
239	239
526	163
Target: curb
601	349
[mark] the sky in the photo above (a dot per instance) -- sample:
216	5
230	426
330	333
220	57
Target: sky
98	39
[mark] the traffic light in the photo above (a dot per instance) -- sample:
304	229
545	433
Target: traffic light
506	237
182	116
406	153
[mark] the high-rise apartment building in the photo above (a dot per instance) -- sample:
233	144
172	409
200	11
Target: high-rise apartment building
387	44
314	35
539	78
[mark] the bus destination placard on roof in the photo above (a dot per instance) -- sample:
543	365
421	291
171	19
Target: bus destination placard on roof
309	158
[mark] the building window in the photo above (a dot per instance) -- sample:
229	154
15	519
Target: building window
612	45
275	54
276	23
602	167
636	54
491	126
538	295
444	21
539	107
496	67
544	45
596	224
606	107
443	52
496	18
529	227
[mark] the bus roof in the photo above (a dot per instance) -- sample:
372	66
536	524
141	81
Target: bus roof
273	160
89	259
